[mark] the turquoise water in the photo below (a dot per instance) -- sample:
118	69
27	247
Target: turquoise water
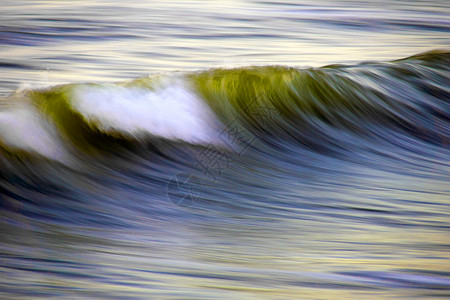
238	150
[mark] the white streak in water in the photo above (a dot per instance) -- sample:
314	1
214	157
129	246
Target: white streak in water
172	112
22	128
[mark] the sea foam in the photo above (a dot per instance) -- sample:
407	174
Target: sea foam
23	128
172	111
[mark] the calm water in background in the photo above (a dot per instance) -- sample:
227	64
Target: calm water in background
328	200
72	41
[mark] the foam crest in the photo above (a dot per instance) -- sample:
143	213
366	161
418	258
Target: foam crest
172	111
22	128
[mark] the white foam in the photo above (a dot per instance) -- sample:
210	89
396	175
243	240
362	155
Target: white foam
23	128
172	111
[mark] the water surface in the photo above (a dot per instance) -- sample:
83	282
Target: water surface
224	150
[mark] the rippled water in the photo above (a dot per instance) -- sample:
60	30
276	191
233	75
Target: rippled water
241	150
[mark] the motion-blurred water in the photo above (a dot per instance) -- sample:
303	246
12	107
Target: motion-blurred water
241	150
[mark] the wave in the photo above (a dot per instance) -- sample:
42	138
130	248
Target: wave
183	175
312	107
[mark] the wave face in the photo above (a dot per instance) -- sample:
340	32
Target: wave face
273	180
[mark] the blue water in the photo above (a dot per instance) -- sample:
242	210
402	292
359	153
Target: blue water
224	150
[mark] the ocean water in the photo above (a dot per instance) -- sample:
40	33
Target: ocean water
224	150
